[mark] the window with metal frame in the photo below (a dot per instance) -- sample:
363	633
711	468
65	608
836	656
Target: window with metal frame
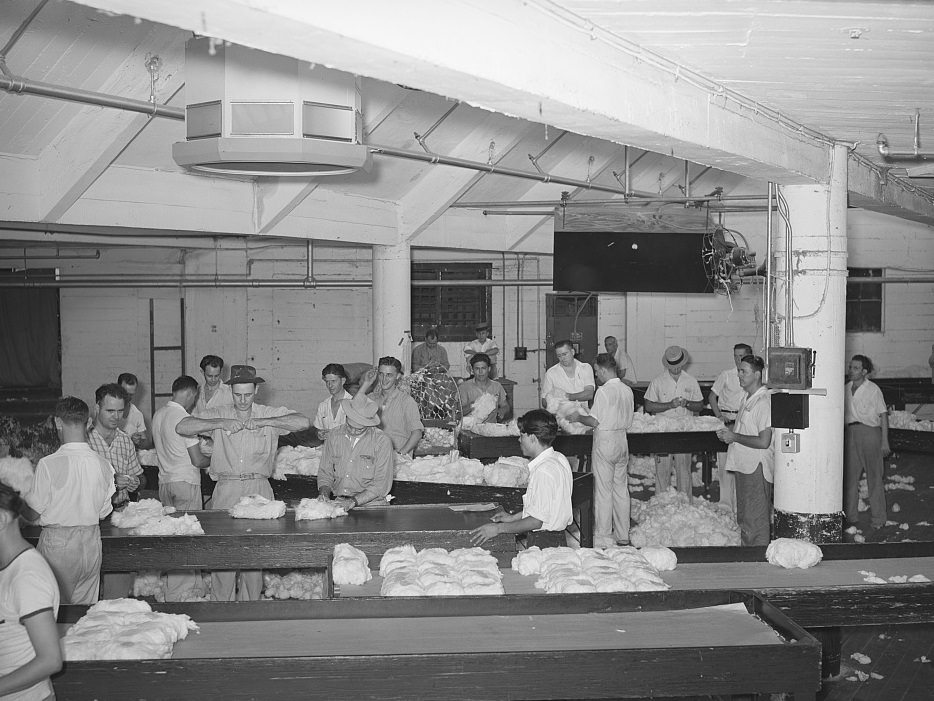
865	301
454	311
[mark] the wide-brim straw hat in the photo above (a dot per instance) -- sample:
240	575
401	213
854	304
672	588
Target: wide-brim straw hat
364	412
674	357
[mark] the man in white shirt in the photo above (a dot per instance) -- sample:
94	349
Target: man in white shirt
569	378
134	423
725	397
674	393
482	344
624	364
180	460
866	442
610	417
213	393
750	454
546	504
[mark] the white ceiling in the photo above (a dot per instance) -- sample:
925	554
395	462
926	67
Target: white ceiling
811	72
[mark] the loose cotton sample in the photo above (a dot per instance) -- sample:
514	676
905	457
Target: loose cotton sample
315	509
437	572
125	629
350	566
585	570
148	517
257	506
661	558
296	460
16	473
792	553
298	584
139	512
668	519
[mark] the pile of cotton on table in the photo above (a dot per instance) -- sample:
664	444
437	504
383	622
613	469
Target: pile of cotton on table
435	437
455	469
298	584
125	629
149	517
908	421
562	409
154	583
668	519
652	423
350	565
437	572
315	510
492	430
297	460
256	506
585	570
483	407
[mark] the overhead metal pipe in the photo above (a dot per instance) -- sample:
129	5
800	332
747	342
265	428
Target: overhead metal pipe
292	283
584	203
25	257
916	154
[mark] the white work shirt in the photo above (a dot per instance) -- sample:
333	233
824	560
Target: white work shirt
548	497
755	415
729	393
171	448
664	388
624	362
865	405
557	383
325	420
613	406
72	487
134	422
223	396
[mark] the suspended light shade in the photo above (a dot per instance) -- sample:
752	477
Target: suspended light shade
249	112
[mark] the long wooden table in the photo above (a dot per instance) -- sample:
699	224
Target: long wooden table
230	543
567	646
903	440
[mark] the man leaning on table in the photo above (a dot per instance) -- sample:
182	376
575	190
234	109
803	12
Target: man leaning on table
245	442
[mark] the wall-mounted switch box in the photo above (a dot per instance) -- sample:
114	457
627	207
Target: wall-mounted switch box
791	443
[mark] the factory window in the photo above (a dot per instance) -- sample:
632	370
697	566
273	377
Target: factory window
864	301
454	311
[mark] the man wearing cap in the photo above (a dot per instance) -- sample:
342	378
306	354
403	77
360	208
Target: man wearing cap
357	459
245	441
483	344
725	397
675	394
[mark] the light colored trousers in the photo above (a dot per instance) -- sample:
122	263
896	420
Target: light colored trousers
74	554
224	584
682	466
727	483
181	584
610	487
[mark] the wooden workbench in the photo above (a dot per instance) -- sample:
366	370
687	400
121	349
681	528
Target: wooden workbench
230	543
570	646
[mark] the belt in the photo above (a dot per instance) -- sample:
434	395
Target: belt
729	411
854	423
242	478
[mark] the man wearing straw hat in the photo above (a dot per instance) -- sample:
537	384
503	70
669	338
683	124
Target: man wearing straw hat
246	437
357	460
675	394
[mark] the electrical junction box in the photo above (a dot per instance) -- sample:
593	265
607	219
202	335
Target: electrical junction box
790	368
520	353
791	443
790	410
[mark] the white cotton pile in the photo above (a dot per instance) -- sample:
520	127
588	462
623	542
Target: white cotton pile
138	513
148	457
448	469
661	558
350	566
296	460
908	421
436	437
562	409
482	407
315	509
125	629
905	482
437	572
187	524
150	583
256	506
668	519
791	553
512	471
17	473
653	423
496	430
585	570
298	584
641	471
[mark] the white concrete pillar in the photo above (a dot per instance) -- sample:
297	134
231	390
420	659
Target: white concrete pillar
809	484
392	302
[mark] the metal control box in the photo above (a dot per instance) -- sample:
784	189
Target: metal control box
790	368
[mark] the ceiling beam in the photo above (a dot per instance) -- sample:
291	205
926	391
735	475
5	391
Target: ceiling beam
96	137
538	62
872	188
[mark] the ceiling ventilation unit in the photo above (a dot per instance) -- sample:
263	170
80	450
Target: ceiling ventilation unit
253	113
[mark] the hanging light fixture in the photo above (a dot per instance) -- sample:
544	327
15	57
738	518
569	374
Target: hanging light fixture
249	112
